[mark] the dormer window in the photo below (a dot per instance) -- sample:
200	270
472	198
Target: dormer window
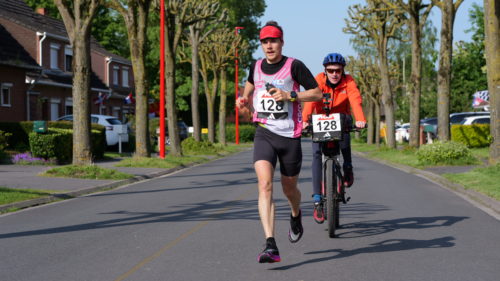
125	77
54	55
68	59
115	75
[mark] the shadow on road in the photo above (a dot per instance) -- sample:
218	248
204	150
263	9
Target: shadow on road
391	245
376	227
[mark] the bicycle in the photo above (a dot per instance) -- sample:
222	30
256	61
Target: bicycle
327	129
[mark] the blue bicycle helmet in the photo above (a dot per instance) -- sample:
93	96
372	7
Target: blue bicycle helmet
334	58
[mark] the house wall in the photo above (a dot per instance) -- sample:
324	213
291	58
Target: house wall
17	109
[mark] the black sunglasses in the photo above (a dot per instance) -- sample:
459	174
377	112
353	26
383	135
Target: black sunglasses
331	71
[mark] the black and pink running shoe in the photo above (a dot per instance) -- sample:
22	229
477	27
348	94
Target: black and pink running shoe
269	255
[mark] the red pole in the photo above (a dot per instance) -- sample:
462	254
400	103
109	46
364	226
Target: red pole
236	90
162	79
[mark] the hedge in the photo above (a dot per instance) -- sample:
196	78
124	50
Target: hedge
19	140
477	135
58	144
247	132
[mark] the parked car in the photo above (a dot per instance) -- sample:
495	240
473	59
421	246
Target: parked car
181	125
113	126
403	132
480	119
457	118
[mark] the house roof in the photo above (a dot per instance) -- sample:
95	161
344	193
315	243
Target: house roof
19	12
13	54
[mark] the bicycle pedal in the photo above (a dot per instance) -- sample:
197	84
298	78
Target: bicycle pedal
348	198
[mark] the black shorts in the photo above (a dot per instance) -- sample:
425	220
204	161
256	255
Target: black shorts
270	147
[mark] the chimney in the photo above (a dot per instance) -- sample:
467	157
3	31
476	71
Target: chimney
41	11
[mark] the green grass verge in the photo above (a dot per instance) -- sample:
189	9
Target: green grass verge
86	172
167	163
11	195
483	179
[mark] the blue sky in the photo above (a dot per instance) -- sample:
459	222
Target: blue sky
314	28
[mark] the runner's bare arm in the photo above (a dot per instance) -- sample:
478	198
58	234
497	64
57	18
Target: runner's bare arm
247	92
308	95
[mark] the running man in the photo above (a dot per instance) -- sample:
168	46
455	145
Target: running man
345	95
274	84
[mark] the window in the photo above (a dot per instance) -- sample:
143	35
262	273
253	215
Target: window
68	106
115	75
54	55
125	77
5	94
68	59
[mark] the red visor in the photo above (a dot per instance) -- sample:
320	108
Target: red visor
270	31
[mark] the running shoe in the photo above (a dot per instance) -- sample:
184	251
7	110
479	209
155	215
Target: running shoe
296	229
318	213
348	176
269	255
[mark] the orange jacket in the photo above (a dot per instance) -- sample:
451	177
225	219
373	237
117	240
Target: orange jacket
345	96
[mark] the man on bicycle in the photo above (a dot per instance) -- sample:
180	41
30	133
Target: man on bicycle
345	95
274	84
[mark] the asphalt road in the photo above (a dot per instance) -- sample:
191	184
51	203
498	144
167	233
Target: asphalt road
202	224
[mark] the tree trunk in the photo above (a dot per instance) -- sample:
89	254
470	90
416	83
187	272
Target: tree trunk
492	44
377	124
195	77
222	107
173	135
211	108
387	94
137	28
416	78
370	121
444	72
81	101
78	23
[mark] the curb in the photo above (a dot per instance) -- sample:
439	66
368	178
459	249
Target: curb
479	200
88	190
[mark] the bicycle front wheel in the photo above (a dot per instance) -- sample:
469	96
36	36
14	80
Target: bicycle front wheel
331	198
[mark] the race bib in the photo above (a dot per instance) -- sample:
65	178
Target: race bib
267	107
326	127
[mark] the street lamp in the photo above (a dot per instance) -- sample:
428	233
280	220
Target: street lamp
236	88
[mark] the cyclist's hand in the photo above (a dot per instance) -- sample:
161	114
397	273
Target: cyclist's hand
241	102
279	95
360	124
305	125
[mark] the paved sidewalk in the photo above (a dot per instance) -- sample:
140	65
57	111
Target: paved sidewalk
26	177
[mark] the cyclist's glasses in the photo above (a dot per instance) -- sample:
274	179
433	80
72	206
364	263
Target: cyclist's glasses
332	71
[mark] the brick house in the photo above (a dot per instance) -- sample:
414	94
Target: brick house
36	72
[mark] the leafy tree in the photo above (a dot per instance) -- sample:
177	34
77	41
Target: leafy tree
448	12
469	64
416	12
135	14
77	16
380	23
492	42
198	31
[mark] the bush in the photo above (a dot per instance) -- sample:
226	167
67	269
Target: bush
247	132
57	143
191	146
446	153
477	135
3	140
19	141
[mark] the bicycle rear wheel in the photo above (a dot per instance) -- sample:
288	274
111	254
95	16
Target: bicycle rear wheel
331	198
